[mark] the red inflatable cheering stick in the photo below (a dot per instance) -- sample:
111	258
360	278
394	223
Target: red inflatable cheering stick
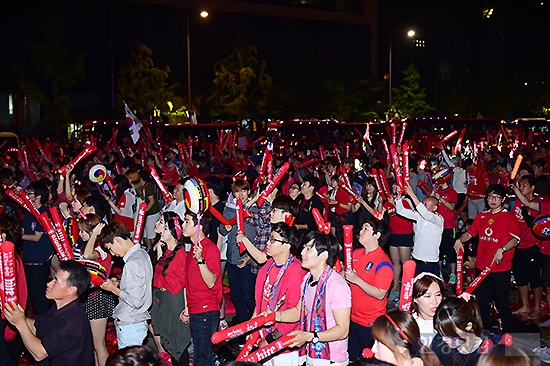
243	328
9	291
322	226
88	150
459	264
348	246
167	196
409	267
269	350
61	233
446	138
240	225
139	222
271	186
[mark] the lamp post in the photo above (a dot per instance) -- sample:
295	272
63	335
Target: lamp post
203	14
411	34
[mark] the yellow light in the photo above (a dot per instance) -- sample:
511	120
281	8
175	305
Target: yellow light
411	33
204	14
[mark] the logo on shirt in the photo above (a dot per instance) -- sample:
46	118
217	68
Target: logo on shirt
491	221
369	265
488	236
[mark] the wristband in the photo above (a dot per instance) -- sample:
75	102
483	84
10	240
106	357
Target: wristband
503	249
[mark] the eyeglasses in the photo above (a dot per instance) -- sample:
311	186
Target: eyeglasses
294	187
272	239
494	198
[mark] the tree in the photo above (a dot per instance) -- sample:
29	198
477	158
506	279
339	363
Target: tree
143	86
409	100
50	73
242	85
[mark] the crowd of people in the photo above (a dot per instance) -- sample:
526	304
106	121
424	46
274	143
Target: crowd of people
287	259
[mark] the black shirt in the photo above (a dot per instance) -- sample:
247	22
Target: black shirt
450	356
66	335
305	216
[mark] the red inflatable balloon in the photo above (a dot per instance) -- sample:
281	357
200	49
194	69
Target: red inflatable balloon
541	227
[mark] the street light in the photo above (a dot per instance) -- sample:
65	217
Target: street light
203	14
410	34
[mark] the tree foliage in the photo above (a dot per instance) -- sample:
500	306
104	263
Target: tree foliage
49	73
143	86
409	100
242	85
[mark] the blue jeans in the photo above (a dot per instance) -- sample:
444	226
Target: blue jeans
202	327
130	334
241	283
360	337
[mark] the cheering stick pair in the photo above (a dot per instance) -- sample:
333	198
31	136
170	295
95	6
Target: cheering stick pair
60	243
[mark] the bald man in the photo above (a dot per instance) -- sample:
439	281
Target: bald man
428	229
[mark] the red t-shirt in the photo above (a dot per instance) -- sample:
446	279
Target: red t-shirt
476	182
200	298
343	198
544	244
525	234
171	175
175	273
289	286
374	268
495	230
449	195
398	224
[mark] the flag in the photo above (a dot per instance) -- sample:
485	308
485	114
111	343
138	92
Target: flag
134	124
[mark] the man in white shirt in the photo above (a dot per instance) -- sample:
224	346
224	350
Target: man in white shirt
428	229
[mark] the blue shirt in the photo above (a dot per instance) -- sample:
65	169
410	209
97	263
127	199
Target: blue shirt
36	252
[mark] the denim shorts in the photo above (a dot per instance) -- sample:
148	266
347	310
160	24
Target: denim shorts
130	334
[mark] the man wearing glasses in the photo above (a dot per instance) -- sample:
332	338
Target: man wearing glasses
498	233
38	249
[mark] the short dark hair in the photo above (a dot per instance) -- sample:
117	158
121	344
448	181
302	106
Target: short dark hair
206	220
466	163
289	234
116	229
135	356
530	180
323	243
540	162
98	203
215	184
379	226
497	189
6	173
78	275
40	189
313	181
285	203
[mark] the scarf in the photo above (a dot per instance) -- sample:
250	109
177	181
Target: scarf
317	320
273	300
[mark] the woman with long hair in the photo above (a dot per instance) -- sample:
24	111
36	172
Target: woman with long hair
99	304
169	317
428	291
396	341
459	332
126	199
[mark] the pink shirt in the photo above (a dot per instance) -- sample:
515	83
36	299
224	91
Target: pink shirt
338	296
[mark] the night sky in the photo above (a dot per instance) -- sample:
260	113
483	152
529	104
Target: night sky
511	44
